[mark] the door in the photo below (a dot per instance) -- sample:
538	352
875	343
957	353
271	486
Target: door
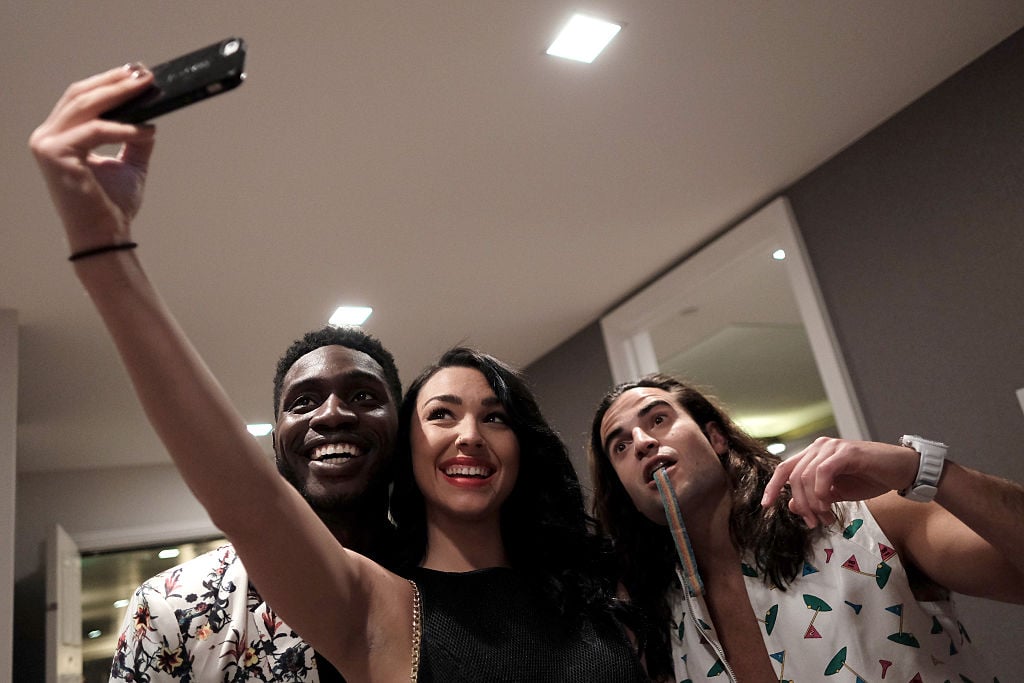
63	608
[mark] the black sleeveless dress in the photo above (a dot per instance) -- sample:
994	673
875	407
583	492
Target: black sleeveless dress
488	625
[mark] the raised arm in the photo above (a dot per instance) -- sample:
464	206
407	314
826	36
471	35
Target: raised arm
347	607
968	539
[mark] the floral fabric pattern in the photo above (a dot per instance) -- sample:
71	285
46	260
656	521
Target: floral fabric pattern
850	616
202	621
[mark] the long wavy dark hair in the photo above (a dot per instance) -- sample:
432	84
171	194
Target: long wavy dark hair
547	532
775	539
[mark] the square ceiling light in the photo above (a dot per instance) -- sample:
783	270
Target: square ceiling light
350	315
260	428
583	38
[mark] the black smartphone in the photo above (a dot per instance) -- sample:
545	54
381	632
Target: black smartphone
190	78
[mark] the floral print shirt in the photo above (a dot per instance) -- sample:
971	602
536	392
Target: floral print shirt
850	616
202	621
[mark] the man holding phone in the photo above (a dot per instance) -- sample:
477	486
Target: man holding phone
203	620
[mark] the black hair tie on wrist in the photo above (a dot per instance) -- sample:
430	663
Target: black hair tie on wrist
86	253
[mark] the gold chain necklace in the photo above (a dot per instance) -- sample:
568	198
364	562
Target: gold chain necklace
417	630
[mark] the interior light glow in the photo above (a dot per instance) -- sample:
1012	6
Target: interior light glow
779	254
583	38
260	428
95	633
776	448
768	426
120	603
168	553
350	315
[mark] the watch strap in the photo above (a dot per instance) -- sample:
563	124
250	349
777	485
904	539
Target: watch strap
932	458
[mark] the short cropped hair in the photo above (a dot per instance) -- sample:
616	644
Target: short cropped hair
354	338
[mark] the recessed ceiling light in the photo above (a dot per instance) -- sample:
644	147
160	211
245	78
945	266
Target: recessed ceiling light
260	428
120	603
350	315
583	38
779	254
168	553
95	633
776	448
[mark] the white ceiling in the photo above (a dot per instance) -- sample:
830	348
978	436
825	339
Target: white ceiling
429	160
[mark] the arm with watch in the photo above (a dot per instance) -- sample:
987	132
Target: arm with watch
963	528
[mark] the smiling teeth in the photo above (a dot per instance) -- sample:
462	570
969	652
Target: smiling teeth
467	471
337	450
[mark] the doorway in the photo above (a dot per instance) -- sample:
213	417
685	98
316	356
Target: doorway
109	578
742	318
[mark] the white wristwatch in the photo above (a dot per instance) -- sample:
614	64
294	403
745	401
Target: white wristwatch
929	468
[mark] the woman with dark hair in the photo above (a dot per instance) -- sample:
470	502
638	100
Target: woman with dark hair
468	442
841	557
492	515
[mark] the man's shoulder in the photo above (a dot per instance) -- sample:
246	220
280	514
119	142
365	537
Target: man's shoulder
202	620
210	571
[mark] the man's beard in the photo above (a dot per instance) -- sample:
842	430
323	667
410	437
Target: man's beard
326	506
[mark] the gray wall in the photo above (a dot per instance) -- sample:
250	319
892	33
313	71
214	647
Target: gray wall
580	364
916	235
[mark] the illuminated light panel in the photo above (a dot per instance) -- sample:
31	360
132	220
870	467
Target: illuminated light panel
770	425
350	315
583	38
776	448
168	553
120	603
260	428
779	254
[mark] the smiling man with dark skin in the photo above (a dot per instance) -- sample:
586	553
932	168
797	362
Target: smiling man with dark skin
336	392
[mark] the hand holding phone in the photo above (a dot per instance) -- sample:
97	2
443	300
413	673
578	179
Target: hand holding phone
184	80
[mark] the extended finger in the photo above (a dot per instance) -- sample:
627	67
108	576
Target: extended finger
798	503
77	142
819	476
91	97
94	81
774	487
